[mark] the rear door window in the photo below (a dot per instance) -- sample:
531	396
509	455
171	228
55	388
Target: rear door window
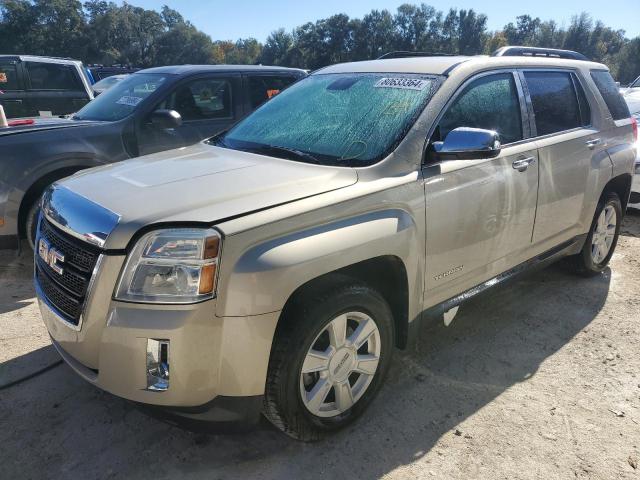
611	94
9	76
490	102
52	76
555	102
264	87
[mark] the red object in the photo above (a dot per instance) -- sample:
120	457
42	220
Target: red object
634	124
17	123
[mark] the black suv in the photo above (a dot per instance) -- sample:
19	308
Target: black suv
150	111
42	86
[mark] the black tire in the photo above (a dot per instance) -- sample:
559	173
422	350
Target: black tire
304	319
31	223
583	263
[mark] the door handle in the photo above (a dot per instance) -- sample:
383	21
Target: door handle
522	163
594	143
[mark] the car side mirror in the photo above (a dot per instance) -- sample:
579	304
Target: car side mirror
165	119
464	143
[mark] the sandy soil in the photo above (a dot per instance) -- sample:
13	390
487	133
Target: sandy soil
539	379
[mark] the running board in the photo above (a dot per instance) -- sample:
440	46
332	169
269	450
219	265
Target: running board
566	248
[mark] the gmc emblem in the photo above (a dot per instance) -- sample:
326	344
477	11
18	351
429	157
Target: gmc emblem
50	255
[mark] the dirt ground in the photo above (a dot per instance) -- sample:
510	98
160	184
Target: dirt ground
538	379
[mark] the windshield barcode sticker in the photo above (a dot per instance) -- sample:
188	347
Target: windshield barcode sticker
131	101
403	83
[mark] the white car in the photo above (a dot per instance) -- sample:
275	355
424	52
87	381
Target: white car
106	83
632	97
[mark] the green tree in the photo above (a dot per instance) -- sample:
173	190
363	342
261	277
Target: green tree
277	48
373	35
471	32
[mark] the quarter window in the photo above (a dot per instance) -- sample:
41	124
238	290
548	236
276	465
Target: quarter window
555	102
202	100
52	76
8	76
611	94
264	87
491	103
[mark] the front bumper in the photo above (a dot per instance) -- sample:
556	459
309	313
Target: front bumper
210	356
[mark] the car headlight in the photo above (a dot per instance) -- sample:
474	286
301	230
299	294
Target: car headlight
176	265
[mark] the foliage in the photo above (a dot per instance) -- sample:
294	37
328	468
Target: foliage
100	31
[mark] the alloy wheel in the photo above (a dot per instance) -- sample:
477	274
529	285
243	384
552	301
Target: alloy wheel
340	364
603	234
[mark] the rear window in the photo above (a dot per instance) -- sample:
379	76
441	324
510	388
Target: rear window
8	76
555	102
611	94
52	76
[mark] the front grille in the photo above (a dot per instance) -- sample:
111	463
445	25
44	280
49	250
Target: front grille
77	253
66	291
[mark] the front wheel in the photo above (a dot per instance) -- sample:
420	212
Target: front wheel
31	223
602	238
329	358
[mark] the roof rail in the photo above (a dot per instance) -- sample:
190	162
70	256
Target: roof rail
538	52
406	54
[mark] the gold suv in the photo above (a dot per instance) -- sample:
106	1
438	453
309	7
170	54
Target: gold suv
274	268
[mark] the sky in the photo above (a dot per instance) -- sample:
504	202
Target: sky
233	19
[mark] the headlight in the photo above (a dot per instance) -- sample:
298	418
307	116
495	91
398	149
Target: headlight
177	265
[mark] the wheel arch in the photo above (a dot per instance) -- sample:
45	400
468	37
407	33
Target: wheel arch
38	186
621	186
386	274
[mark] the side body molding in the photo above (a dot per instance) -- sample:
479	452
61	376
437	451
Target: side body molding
264	276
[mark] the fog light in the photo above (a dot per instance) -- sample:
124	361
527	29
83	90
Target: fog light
157	365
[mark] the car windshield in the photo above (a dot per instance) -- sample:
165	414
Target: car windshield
636	83
121	99
352	119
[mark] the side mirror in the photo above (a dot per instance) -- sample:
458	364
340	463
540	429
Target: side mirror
464	143
165	119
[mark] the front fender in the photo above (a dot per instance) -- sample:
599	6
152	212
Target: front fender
262	278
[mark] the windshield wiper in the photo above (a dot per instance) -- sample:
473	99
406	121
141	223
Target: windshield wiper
274	149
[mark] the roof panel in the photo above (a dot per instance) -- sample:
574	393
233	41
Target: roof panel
190	69
431	65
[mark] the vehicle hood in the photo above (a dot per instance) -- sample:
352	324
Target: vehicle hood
44	123
201	183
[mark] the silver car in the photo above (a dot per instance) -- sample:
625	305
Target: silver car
275	268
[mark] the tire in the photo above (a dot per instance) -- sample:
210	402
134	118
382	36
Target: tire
587	262
307	322
31	223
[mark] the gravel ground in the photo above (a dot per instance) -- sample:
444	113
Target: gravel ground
539	379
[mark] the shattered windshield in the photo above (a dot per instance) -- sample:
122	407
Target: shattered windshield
350	119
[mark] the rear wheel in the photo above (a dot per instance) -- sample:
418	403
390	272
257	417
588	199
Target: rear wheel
602	239
329	359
